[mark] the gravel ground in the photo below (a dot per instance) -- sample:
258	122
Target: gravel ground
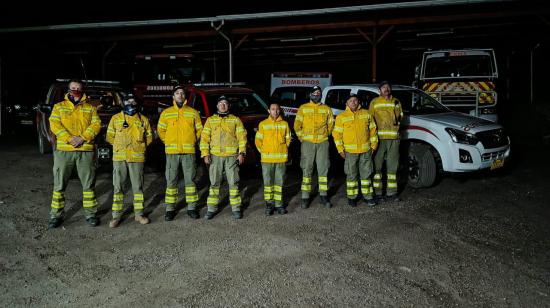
477	240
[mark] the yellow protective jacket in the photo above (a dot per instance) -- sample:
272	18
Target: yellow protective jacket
272	140
129	143
223	136
69	120
355	132
314	122
388	115
180	129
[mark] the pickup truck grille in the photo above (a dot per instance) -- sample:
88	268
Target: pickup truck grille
493	138
492	155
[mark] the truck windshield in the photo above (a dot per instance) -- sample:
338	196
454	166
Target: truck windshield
447	66
241	103
416	102
165	71
96	96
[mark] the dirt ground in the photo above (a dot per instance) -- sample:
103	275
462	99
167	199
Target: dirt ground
481	240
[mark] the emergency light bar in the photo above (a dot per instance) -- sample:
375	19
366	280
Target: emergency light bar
218	84
90	81
171	56
301	74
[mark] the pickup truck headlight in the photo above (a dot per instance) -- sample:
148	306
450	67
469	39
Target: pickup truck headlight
459	136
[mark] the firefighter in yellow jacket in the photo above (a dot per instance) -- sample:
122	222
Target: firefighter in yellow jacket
272	141
75	124
313	125
356	139
223	148
180	128
130	133
387	113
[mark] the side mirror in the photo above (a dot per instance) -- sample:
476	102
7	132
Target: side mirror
417	72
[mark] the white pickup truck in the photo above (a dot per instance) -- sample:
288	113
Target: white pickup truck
434	137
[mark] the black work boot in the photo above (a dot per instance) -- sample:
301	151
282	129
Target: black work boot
93	221
169	215
352	202
55	223
237	215
281	210
325	201
269	209
193	214
209	215
305	203
370	202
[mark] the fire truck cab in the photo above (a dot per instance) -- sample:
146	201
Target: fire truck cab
463	80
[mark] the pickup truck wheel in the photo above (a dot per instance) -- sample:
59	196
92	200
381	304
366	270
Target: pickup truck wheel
44	146
422	166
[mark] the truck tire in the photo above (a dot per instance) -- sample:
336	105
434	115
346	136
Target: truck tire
44	146
422	166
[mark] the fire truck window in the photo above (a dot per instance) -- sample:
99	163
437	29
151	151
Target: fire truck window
291	96
288	96
474	65
196	103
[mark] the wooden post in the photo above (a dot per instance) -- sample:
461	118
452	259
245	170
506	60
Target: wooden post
374	54
374	41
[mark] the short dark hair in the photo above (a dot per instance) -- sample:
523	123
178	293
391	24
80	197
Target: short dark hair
383	83
352	95
223	98
75	80
315	88
274	103
177	88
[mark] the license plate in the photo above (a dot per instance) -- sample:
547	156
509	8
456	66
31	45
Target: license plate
103	153
497	163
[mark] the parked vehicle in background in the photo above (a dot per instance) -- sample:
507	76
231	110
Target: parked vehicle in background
18	116
155	75
245	104
463	80
434	139
291	89
107	96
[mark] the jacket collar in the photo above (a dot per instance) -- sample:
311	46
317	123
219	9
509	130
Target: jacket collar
83	99
349	110
278	119
314	103
176	105
387	100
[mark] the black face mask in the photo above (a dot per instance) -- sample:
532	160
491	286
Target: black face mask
315	98
130	110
